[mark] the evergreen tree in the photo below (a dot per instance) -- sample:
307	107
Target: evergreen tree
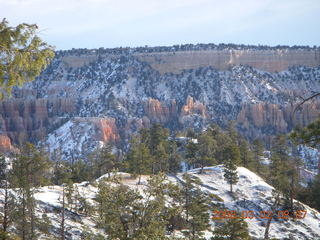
63	218
232	229
191	153
191	133
69	195
124	214
44	224
232	132
246	156
199	215
101	162
284	170
23	55
279	164
315	192
174	158
159	148
80	171
222	140
139	158
62	172
310	135
206	150
30	170
257	148
232	155
196	207
154	209
161	158
6	217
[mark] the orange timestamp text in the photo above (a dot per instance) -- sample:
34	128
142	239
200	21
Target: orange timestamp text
232	214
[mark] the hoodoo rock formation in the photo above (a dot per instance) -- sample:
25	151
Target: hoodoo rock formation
87	97
24	120
158	112
108	129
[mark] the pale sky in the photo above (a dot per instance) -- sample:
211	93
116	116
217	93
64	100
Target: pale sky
70	24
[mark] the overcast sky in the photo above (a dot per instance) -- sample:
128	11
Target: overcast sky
111	23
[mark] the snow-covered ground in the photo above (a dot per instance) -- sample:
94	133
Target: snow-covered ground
253	193
250	193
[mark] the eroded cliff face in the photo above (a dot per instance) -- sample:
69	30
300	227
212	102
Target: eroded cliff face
108	129
6	145
24	120
83	100
158	112
275	119
267	60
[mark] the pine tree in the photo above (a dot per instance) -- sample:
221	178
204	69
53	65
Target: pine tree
30	170
161	158
196	207
62	173
154	211
158	148
232	229
315	192
109	203
80	171
310	135
7	207
279	164
44	224
246	156
201	154
69	195
139	158
232	155
107	160
23	55
284	170
257	148
222	140
191	153
174	158
124	214
63	218
199	214
232	132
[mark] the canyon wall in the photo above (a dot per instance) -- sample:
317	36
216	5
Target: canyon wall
267	60
275	118
24	120
84	99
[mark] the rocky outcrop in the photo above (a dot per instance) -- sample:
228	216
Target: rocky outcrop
24	120
267	60
108	129
159	112
79	61
6	145
275	118
192	107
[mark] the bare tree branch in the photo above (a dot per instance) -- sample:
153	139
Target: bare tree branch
305	100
